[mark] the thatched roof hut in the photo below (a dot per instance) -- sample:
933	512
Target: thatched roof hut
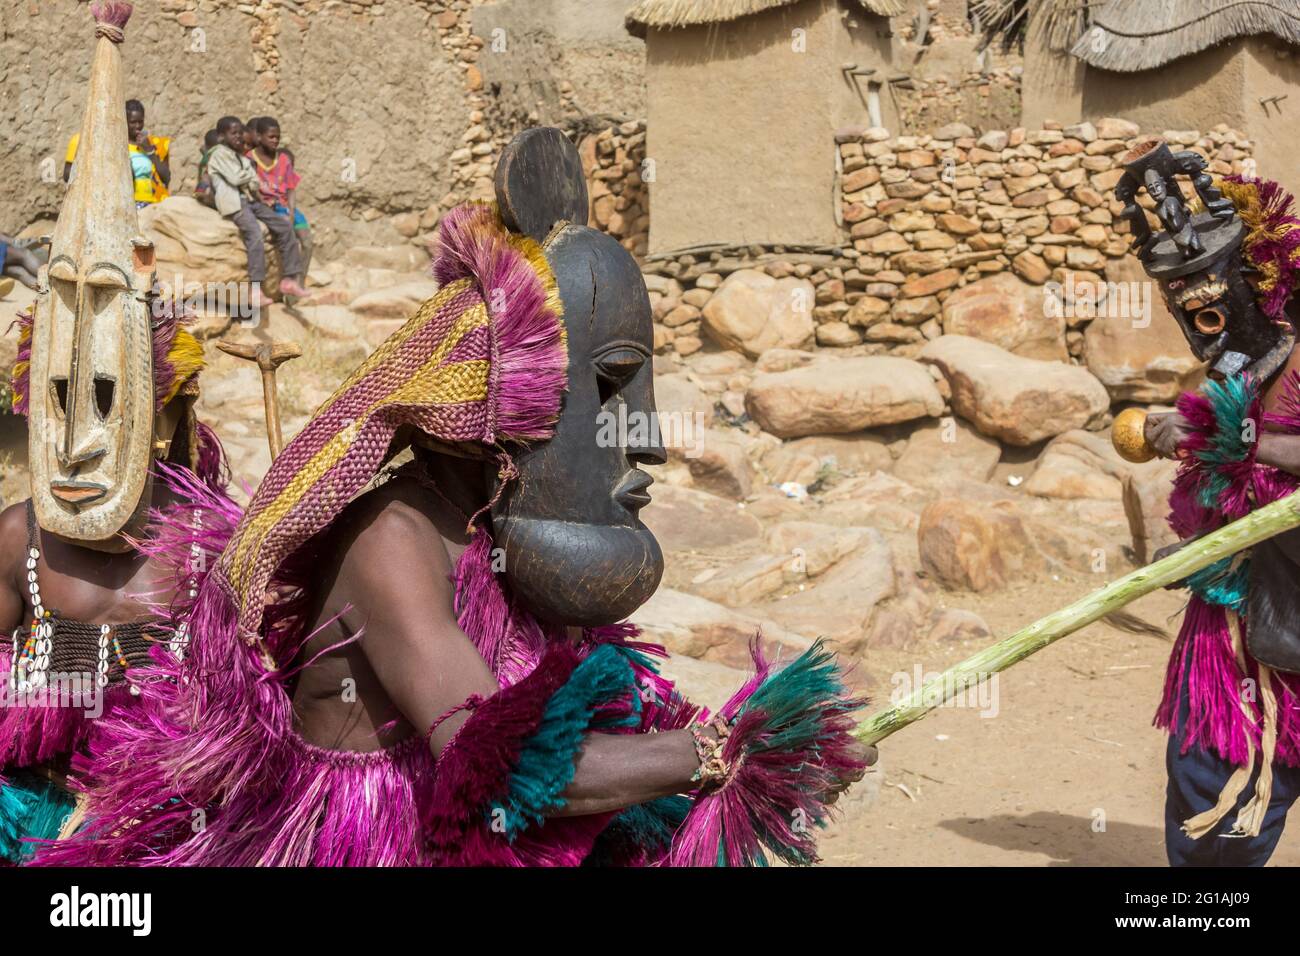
1165	64
666	14
1130	35
789	73
1007	22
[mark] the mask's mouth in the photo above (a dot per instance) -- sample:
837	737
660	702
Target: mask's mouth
631	492
77	492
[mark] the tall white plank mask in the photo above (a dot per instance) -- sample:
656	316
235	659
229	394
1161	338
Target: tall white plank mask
92	403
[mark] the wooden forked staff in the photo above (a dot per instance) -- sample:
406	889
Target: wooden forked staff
269	356
1127	435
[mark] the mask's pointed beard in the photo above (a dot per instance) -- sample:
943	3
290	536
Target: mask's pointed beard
579	574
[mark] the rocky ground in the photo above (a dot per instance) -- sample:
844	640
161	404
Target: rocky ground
907	510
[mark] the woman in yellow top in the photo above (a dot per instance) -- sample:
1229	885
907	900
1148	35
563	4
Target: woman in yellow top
149	158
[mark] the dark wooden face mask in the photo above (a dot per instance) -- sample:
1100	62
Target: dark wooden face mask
1198	261
576	551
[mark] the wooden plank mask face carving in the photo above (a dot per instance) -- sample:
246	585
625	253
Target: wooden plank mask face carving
575	549
91	422
1199	261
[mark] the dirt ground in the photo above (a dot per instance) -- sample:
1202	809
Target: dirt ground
1069	772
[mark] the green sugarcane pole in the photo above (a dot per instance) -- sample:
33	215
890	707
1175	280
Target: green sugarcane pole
1255	527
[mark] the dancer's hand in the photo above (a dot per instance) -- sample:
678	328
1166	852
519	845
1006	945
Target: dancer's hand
1166	551
866	754
1165	431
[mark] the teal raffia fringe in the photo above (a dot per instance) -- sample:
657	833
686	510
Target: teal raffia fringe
1216	481
31	808
790	746
547	759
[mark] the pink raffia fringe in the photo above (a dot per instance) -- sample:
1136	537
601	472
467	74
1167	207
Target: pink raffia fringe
35	729
790	747
1219	482
271	799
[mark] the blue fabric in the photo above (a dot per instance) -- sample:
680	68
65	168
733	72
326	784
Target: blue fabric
31	808
1196	779
4	250
299	220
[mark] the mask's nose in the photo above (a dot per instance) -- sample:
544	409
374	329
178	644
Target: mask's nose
75	453
649	454
645	445
83	437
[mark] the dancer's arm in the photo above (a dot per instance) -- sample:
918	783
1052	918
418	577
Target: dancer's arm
396	576
1280	451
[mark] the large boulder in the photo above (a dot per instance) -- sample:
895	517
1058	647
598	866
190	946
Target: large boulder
683	519
754	312
1146	490
747	581
395	301
835	396
678	397
1018	400
719	464
695	627
804	460
401	258
970	546
193	243
1134	345
877	500
199	255
1007	312
1079	464
839	604
946	448
813	547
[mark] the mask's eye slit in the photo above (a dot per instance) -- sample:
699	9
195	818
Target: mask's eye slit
615	368
59	387
607	388
104	390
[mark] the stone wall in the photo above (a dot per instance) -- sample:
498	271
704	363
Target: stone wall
614	160
983	99
1010	237
929	214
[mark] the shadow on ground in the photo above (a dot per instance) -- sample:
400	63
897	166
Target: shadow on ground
1066	840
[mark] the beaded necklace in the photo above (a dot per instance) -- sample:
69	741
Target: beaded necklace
73	647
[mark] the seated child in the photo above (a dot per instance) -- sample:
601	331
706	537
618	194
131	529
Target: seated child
235	194
17	261
279	181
